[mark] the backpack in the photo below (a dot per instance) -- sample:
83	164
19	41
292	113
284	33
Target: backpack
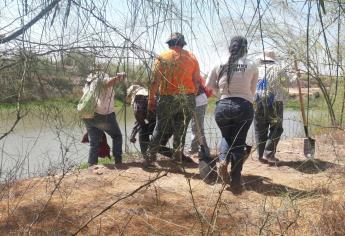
263	93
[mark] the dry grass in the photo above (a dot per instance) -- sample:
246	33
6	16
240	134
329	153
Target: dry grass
332	221
295	198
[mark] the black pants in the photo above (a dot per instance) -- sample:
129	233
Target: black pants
146	131
268	124
145	124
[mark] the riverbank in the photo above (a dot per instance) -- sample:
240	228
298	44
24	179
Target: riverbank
297	197
71	102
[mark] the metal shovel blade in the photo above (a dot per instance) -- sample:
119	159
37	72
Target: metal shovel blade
309	147
207	166
207	170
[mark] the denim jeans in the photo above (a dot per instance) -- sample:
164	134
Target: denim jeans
268	124
198	134
233	116
108	124
172	117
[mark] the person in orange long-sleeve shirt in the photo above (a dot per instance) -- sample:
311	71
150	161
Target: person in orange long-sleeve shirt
176	75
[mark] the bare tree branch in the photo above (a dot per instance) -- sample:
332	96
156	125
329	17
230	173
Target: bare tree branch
30	23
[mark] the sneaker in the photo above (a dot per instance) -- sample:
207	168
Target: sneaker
270	160
223	172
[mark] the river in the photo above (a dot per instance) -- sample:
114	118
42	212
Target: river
49	139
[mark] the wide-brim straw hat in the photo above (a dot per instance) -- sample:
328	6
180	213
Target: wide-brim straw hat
135	90
268	56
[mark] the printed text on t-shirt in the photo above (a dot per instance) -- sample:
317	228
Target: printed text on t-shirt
240	67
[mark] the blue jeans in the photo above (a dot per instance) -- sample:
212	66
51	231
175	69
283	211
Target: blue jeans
108	124
233	116
172	117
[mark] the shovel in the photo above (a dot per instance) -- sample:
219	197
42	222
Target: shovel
207	166
309	143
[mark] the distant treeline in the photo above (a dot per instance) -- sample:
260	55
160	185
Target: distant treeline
32	78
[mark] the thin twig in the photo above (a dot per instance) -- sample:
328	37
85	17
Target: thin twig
120	199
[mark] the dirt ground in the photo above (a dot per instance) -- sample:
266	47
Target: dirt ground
297	197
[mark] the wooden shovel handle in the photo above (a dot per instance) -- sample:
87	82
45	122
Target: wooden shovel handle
301	98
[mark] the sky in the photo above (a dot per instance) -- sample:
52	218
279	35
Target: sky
207	25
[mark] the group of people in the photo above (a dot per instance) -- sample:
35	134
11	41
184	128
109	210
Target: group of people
247	91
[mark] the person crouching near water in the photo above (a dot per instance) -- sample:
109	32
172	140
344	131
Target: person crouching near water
235	82
104	118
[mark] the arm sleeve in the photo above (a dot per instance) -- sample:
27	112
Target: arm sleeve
211	81
156	81
110	81
135	130
208	91
196	75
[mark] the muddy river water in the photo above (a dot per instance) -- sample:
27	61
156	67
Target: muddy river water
46	141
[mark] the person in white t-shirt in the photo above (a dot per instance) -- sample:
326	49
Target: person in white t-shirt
236	82
198	139
104	118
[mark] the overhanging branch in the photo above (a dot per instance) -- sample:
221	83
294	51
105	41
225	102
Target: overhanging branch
30	23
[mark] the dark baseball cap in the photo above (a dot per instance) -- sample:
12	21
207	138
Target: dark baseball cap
176	39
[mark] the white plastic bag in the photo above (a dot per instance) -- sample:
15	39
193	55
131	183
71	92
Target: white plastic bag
88	102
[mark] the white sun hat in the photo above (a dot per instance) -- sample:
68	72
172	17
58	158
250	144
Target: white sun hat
268	56
135	90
